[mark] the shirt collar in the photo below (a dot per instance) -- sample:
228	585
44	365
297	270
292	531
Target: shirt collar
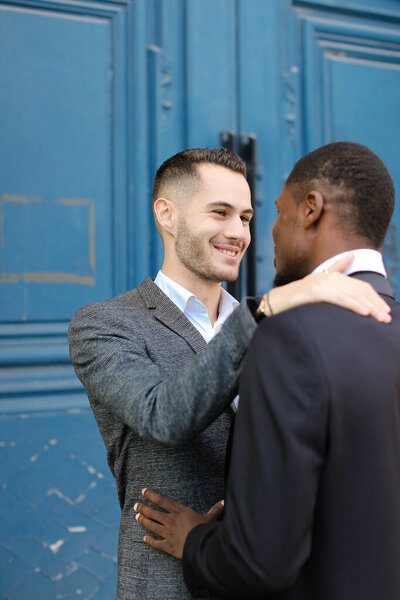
175	292
227	304
185	299
365	259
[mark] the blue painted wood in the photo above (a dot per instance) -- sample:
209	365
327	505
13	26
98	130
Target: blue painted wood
383	8
155	65
64	195
48	197
139	224
352	92
167	101
262	111
97	94
59	513
211	71
219	66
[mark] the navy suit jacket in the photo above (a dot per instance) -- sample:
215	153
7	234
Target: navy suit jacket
312	509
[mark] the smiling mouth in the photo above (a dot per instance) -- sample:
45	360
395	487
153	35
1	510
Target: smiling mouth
227	252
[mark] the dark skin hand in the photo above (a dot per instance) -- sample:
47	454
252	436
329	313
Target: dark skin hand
173	525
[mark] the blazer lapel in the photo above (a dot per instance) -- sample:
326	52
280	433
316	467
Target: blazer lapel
170	315
378	282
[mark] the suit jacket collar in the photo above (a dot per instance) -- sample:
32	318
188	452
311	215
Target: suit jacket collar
165	311
378	282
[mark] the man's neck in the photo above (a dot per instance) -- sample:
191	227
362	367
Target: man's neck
207	292
331	242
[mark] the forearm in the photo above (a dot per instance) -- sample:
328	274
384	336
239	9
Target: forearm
118	372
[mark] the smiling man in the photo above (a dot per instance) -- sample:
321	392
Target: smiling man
162	394
313	494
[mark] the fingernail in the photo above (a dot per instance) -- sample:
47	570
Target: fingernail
385	318
143	491
135	506
137	516
223	502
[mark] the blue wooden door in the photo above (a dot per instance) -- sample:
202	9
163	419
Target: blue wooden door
63	185
93	96
312	73
64	144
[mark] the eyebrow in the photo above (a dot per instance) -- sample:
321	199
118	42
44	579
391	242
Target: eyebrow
249	211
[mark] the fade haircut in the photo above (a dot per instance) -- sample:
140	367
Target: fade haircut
361	186
181	169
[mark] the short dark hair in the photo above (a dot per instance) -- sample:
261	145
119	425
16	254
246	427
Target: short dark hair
182	166
362	185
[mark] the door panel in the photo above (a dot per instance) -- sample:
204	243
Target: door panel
351	83
311	73
55	146
211	71
63	186
262	110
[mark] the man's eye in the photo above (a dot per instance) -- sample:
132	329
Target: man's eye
221	213
245	219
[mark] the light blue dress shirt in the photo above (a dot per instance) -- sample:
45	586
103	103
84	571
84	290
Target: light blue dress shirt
195	310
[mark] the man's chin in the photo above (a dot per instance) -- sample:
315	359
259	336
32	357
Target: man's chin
230	278
218	276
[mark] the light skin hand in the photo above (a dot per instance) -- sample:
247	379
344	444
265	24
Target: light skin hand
335	288
173	525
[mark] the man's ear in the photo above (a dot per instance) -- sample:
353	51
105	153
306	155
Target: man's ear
313	206
164	211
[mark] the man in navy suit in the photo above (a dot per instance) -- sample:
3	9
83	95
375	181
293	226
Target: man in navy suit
312	508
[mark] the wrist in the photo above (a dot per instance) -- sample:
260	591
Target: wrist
264	308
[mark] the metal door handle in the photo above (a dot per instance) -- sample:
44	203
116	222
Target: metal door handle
245	147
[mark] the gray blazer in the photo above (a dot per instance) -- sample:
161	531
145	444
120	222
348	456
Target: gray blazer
161	397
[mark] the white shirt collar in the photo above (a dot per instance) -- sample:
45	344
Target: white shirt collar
195	310
365	259
175	292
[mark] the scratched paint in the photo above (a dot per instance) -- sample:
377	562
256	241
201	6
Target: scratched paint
69	539
8	276
77	529
56	546
49	277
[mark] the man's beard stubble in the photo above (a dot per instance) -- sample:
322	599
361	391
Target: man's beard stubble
190	251
288	274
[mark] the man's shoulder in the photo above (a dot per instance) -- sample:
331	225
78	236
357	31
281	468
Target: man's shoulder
145	294
136	300
311	314
324	325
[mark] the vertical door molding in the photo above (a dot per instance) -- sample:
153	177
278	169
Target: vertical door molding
348	55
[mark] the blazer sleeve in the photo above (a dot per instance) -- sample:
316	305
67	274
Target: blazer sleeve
278	450
117	371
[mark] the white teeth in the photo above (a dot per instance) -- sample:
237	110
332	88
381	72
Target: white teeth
228	252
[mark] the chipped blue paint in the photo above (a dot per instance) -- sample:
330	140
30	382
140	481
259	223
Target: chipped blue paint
59	514
163	76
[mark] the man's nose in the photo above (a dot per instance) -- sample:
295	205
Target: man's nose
237	229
